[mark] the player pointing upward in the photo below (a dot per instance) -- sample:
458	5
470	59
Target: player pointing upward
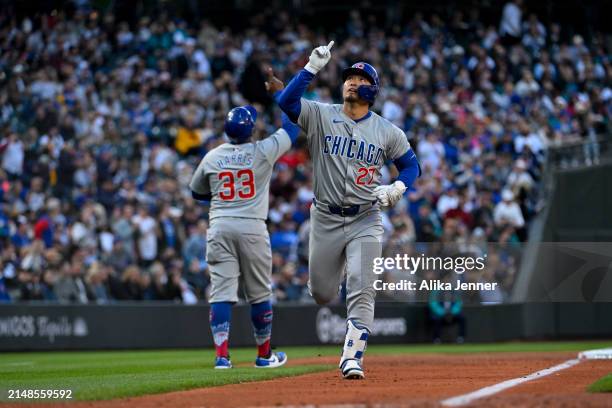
235	177
348	144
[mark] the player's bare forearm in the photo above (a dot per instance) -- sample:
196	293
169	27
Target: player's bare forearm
273	84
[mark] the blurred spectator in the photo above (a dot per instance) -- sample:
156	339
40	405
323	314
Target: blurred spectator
33	258
519	180
448	201
70	287
431	152
428	226
171	231
392	110
285	240
288	286
446	308
195	245
147	232
97	280
403	233
131	283
507	212
510	27
197	277
12	156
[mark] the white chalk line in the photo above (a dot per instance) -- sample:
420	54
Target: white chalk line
494	389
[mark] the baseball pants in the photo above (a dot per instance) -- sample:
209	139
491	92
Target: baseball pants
238	252
345	245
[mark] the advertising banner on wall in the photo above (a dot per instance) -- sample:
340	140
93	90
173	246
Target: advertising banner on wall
156	326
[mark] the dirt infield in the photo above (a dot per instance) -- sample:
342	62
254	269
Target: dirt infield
418	380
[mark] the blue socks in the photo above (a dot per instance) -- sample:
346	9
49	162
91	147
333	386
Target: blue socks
261	316
220	317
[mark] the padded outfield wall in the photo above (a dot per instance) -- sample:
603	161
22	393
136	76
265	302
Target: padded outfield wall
142	326
581	206
569	256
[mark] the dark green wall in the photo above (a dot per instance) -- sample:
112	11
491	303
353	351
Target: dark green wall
581	206
141	326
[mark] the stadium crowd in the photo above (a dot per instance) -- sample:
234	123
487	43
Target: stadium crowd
103	124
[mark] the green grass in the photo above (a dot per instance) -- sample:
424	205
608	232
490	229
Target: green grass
113	374
604	384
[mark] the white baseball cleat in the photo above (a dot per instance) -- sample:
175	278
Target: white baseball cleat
355	343
351	370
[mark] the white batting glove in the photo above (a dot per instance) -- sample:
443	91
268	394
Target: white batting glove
389	195
319	58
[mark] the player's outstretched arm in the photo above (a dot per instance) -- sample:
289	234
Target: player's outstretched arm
289	98
280	142
319	57
276	86
291	128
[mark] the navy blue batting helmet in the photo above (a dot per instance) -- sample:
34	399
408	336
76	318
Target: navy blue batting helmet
240	123
365	92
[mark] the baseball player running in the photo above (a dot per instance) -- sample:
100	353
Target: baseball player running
348	144
235	178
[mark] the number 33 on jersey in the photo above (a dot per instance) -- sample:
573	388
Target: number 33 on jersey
237	176
246	185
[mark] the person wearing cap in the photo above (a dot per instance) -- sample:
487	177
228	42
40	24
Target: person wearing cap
519	179
447	201
507	212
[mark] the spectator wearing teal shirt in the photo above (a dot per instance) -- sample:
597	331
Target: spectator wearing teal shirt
446	308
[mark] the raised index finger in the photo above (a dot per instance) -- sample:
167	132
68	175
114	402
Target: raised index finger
330	45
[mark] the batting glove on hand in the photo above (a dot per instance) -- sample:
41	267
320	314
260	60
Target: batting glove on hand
319	58
390	194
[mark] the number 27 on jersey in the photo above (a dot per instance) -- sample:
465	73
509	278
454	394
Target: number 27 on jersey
365	176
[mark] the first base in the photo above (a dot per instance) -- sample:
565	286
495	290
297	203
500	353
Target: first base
600	354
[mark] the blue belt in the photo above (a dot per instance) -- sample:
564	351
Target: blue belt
347	211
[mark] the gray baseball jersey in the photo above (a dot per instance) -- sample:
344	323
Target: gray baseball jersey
238	176
347	155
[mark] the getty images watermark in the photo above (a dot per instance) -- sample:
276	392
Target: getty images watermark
488	272
443	265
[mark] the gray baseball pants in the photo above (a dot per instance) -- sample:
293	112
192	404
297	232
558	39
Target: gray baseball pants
342	246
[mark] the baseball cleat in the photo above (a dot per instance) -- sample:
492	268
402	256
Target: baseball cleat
355	343
275	360
351	370
222	363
